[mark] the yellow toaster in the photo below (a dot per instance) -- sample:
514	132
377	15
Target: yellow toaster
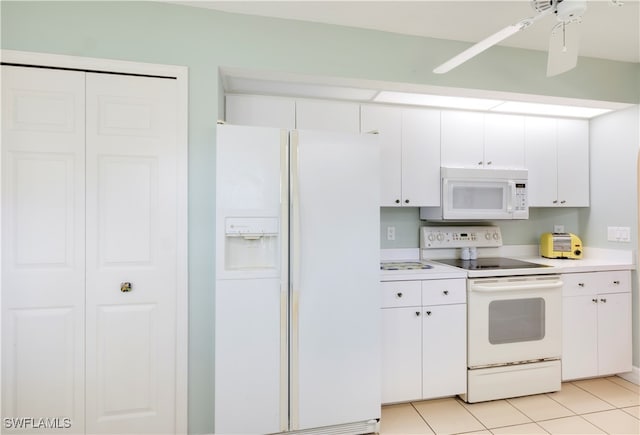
560	245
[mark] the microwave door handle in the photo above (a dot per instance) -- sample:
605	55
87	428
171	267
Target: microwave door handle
512	196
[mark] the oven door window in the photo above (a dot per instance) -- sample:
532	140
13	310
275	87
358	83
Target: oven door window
516	320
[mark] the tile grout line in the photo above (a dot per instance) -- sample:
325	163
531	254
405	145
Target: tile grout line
422	417
596	396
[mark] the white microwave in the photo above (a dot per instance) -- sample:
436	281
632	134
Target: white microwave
471	194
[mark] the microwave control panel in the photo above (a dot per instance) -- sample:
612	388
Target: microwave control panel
460	237
521	197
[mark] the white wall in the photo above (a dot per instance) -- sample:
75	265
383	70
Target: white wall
615	142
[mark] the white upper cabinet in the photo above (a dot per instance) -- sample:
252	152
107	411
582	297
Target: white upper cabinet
462	139
328	115
261	111
573	162
420	157
557	156
503	141
479	140
387	121
410	154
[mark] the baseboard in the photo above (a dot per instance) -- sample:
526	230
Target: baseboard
632	376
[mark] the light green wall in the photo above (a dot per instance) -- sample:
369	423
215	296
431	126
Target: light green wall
205	40
407	222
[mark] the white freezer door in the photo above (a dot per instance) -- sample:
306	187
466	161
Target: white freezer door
335	367
251	359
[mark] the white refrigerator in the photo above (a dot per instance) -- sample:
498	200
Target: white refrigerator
297	328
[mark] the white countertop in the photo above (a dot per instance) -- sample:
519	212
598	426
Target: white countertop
595	260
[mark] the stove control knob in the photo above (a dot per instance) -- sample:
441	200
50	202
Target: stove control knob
487	236
431	237
496	236
440	237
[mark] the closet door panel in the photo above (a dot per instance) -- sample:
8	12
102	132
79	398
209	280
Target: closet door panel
131	253
42	179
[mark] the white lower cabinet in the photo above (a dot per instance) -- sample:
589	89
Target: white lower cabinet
423	339
596	322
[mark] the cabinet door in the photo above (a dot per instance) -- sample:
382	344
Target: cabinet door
503	141
327	115
573	162
260	111
420	157
387	121
541	161
401	354
462	139
579	337
444	350
614	333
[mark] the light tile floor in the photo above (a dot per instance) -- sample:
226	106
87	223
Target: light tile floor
593	406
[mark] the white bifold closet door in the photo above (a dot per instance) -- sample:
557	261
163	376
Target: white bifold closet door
89	205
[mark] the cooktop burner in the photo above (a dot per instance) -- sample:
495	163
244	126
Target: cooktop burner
405	265
489	263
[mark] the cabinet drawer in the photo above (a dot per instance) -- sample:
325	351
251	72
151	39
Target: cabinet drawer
400	294
615	281
444	291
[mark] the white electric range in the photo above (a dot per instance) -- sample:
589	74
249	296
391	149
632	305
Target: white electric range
514	314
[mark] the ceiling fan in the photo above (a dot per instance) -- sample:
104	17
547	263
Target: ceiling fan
563	43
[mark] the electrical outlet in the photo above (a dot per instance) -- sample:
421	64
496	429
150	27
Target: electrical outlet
558	228
391	233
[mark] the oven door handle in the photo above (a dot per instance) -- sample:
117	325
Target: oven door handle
494	288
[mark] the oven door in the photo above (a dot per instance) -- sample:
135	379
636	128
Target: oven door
514	319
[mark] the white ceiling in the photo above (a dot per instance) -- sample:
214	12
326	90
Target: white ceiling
607	31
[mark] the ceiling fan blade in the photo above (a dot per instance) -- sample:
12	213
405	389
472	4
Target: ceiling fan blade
478	48
563	49
489	42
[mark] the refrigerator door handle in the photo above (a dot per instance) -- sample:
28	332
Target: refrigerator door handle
284	280
294	259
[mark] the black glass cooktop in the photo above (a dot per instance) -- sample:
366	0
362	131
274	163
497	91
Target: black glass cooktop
489	263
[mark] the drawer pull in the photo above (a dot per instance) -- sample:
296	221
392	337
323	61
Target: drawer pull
428	313
604	300
594	300
399	294
446	292
616	282
418	313
580	284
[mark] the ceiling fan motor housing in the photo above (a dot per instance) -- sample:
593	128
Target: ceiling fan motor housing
569	10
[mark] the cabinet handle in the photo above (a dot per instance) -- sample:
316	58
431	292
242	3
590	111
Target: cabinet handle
406	201
594	300
417	313
446	292
489	162
616	282
399	294
480	163
563	201
555	201
428	313
397	201
580	284
604	300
